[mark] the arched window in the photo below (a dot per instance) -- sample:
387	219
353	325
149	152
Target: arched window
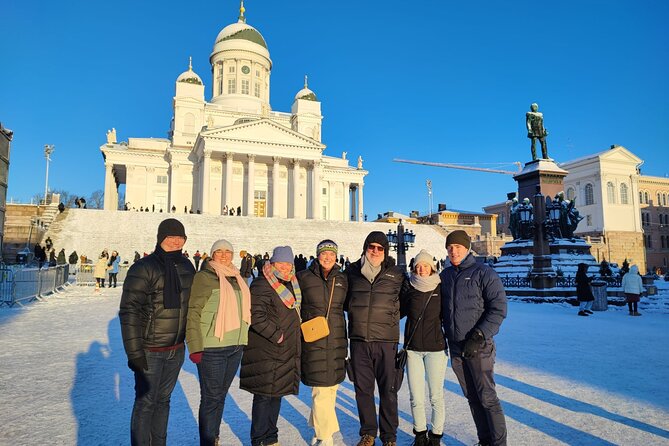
646	199
640	197
623	194
610	192
664	199
659	199
589	195
570	193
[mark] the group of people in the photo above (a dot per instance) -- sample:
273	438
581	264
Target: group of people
632	285
106	265
226	324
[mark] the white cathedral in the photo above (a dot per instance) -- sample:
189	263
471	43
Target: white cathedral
235	151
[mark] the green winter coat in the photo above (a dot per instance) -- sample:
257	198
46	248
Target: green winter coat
202	310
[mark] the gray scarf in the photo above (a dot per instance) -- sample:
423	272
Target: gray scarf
368	270
425	284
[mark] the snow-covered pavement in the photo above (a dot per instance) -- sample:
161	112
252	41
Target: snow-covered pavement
563	379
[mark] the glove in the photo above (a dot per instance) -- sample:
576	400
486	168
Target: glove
138	364
196	357
473	343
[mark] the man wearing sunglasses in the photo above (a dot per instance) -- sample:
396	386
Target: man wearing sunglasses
373	309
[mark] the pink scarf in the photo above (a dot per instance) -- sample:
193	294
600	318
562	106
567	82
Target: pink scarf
227	317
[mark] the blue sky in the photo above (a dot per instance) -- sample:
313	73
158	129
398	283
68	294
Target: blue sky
436	81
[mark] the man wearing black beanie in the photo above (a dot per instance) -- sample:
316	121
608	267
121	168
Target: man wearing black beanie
153	325
373	308
473	305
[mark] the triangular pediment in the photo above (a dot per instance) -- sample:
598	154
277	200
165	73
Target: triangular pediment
619	154
262	131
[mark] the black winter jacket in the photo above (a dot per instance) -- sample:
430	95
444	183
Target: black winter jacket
145	323
269	368
472	296
583	290
374	308
429	336
323	360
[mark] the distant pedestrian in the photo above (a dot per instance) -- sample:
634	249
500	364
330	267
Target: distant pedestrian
112	267
239	210
584	290
100	271
196	258
633	288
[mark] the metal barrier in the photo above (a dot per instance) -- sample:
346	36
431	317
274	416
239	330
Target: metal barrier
27	284
85	274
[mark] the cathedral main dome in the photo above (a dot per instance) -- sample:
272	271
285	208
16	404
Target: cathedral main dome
242	31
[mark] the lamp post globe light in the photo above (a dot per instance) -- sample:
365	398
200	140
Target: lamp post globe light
48	150
401	240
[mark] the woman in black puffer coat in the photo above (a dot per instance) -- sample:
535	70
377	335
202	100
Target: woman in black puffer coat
323	360
271	361
583	290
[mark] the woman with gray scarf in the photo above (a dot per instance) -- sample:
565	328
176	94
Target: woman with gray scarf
420	301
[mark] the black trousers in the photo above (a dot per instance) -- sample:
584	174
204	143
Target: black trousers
476	377
374	363
264	416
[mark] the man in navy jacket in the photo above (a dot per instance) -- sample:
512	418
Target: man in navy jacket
473	307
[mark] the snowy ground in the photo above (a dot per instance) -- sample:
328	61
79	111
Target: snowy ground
563	379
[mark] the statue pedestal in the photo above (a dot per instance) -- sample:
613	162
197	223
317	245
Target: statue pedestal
542	173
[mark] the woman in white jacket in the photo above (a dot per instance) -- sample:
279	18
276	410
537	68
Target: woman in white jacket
633	287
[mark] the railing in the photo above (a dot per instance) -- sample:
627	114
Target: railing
516	282
26	284
560	282
85	274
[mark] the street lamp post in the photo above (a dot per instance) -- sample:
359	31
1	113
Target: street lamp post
48	150
400	241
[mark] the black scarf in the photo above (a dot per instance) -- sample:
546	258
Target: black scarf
171	283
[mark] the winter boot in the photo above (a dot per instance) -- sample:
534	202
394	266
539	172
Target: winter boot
636	313
582	313
421	438
434	439
588	311
366	440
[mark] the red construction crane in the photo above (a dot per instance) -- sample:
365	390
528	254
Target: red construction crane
518	164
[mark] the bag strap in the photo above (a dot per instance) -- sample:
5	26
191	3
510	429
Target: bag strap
413	332
327	315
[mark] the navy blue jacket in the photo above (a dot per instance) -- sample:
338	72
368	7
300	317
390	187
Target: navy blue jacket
472	296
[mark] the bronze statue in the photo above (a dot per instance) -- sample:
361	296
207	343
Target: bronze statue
535	130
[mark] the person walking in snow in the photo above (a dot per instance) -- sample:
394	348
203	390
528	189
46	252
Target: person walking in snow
112	266
271	361
100	271
420	302
219	315
473	306
324	289
584	290
633	288
153	314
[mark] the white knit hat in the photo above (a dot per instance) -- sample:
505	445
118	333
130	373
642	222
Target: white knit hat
424	257
221	244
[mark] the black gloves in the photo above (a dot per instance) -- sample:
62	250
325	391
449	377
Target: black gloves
473	344
138	364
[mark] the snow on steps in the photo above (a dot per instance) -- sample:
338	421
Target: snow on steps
89	231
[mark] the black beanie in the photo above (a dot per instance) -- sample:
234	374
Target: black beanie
170	226
379	238
459	237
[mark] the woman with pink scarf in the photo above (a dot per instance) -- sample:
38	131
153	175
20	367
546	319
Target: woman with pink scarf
219	316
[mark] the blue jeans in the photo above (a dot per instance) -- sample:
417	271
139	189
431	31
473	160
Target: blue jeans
430	366
153	389
216	371
585	305
264	416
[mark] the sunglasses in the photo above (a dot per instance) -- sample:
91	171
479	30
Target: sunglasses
375	248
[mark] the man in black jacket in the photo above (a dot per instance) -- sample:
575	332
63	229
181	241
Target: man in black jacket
153	324
373	308
473	308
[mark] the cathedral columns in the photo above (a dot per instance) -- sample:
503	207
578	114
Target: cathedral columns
275	186
111	193
294	191
347	203
206	174
316	191
250	183
227	180
361	212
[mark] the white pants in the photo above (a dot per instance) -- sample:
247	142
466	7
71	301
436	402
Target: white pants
323	417
430	366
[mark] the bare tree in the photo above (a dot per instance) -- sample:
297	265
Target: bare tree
96	200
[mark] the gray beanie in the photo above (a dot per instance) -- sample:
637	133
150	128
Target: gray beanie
282	254
424	257
222	245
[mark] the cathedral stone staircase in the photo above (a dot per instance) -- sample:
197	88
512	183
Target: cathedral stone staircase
89	231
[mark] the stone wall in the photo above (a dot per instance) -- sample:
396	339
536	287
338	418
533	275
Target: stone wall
616	246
